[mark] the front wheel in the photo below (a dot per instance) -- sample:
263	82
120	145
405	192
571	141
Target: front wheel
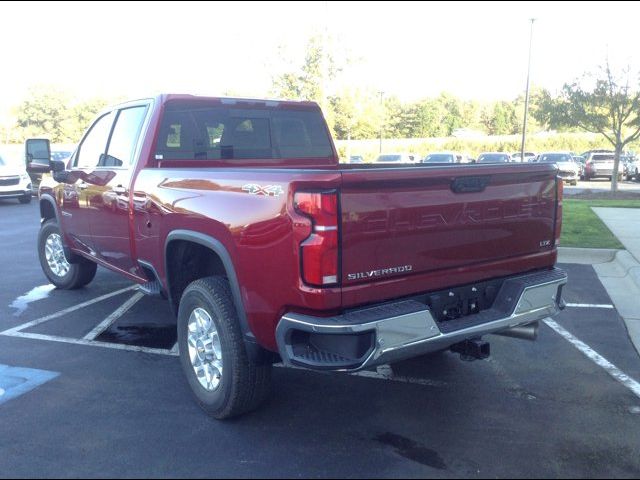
25	198
64	275
224	380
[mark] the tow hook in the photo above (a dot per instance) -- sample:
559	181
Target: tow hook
474	349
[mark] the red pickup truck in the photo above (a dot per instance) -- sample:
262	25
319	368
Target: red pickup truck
239	213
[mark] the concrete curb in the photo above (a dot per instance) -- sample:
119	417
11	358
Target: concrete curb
620	277
586	256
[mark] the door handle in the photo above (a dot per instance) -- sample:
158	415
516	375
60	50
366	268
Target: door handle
120	190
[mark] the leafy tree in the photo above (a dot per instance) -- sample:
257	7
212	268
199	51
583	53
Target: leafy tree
81	115
501	119
451	108
357	114
44	113
51	112
604	102
309	82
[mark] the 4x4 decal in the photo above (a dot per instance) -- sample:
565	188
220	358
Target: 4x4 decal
268	191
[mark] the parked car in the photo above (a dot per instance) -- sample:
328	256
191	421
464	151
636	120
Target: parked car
568	169
494	157
271	251
528	157
356	159
597	150
14	182
446	157
600	165
627	166
581	161
634	168
396	158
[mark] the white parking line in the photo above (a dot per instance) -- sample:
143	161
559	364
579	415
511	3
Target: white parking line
589	305
106	323
598	359
92	343
40	320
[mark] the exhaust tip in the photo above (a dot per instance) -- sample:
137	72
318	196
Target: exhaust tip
523	332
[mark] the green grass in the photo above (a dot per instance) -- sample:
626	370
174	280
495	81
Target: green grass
581	227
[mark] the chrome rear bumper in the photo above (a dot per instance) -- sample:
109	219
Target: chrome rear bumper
398	330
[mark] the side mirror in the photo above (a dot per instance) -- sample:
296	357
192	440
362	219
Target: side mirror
38	155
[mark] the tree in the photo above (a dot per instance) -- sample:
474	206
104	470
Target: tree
357	114
53	113
308	82
311	80
44	113
604	102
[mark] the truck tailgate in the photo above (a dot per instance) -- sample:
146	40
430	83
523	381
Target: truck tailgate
406	221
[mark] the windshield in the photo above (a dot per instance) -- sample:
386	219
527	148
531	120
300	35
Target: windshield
603	157
555	158
439	158
389	158
493	157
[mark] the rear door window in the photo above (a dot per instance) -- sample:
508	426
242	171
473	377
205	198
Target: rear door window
218	132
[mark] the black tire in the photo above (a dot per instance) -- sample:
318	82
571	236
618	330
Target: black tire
25	199
574	183
79	274
244	385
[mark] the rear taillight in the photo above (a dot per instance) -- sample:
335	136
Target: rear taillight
320	250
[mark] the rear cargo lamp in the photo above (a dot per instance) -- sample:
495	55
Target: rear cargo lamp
319	251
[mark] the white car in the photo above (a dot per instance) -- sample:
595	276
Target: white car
14	182
528	157
396	158
568	168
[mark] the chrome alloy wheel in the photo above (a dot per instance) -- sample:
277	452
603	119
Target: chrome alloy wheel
54	253
205	349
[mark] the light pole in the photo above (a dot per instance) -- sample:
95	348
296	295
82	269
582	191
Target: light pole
381	118
526	97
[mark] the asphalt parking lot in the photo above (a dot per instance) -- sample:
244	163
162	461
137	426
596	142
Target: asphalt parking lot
118	405
601	185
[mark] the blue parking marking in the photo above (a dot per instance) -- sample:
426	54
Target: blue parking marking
16	381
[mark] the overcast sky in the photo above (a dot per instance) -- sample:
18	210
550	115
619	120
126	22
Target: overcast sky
473	50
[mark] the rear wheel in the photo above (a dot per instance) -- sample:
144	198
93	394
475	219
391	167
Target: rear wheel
224	380
56	267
